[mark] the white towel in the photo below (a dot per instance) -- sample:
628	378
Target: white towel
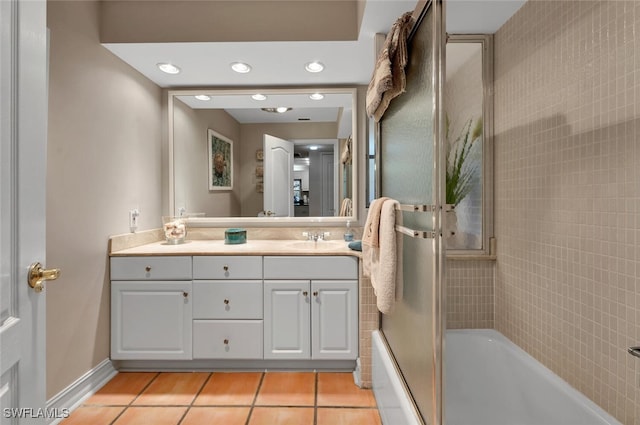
385	261
371	235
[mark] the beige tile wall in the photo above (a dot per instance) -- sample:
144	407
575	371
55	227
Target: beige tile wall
470	294
567	213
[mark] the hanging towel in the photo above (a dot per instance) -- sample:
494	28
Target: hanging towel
370	235
346	208
380	263
388	79
345	156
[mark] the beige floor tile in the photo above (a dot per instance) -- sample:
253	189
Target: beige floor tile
94	415
225	389
282	416
216	415
172	389
287	389
151	416
338	389
121	389
347	416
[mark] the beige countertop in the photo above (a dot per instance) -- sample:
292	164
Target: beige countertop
252	247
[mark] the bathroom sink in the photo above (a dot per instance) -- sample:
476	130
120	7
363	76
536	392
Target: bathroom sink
316	245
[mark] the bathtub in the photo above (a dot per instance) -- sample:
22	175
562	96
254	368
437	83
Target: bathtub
488	381
491	381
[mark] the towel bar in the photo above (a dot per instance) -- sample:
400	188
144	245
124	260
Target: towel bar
415	208
416	233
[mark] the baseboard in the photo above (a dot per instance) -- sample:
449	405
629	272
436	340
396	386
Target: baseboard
83	388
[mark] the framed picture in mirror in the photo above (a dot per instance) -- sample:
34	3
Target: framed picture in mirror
220	153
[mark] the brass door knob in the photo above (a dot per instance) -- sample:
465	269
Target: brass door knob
37	276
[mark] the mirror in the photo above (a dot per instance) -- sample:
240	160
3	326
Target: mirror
219	163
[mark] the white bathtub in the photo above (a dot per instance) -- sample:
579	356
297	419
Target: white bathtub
491	381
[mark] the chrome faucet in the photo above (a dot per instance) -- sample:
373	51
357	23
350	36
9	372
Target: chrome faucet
316	236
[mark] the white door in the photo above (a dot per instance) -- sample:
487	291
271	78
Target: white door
278	176
334	319
287	319
151	320
23	126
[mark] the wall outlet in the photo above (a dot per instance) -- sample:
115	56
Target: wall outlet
134	217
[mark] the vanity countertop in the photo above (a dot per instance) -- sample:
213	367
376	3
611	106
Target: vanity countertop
252	247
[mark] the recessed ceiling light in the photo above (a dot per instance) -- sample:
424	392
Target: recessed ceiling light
168	68
240	67
259	96
279	109
203	97
314	66
313	148
316	96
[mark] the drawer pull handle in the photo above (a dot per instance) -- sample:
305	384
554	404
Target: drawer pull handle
226	268
226	302
185	294
226	342
315	293
147	269
305	293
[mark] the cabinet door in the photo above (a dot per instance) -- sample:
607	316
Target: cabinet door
334	319
286	319
150	320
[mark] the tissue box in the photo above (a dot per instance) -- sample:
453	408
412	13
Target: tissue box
235	236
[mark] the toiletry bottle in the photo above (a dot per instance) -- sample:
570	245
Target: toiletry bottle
348	235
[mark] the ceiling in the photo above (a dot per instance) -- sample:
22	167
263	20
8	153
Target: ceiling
281	63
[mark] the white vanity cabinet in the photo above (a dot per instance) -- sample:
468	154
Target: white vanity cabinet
227	307
239	310
311	308
151	316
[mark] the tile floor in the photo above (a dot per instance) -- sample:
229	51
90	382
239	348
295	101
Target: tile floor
233	398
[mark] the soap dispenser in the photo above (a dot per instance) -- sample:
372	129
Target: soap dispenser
348	234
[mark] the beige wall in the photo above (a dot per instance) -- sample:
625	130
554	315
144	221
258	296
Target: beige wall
191	161
567	122
104	158
229	20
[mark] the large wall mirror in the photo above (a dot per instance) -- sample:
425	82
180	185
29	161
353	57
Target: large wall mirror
263	156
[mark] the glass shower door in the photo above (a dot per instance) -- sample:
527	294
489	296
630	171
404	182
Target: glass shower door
410	173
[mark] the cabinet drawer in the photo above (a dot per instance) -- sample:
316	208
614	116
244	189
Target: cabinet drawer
231	299
150	268
227	267
306	267
227	339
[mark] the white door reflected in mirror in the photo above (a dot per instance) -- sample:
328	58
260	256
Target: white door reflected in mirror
278	176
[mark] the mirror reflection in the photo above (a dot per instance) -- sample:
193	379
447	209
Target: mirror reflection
293	162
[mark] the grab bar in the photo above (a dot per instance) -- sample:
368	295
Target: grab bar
415	208
634	351
416	233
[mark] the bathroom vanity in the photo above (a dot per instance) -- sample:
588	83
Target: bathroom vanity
275	303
